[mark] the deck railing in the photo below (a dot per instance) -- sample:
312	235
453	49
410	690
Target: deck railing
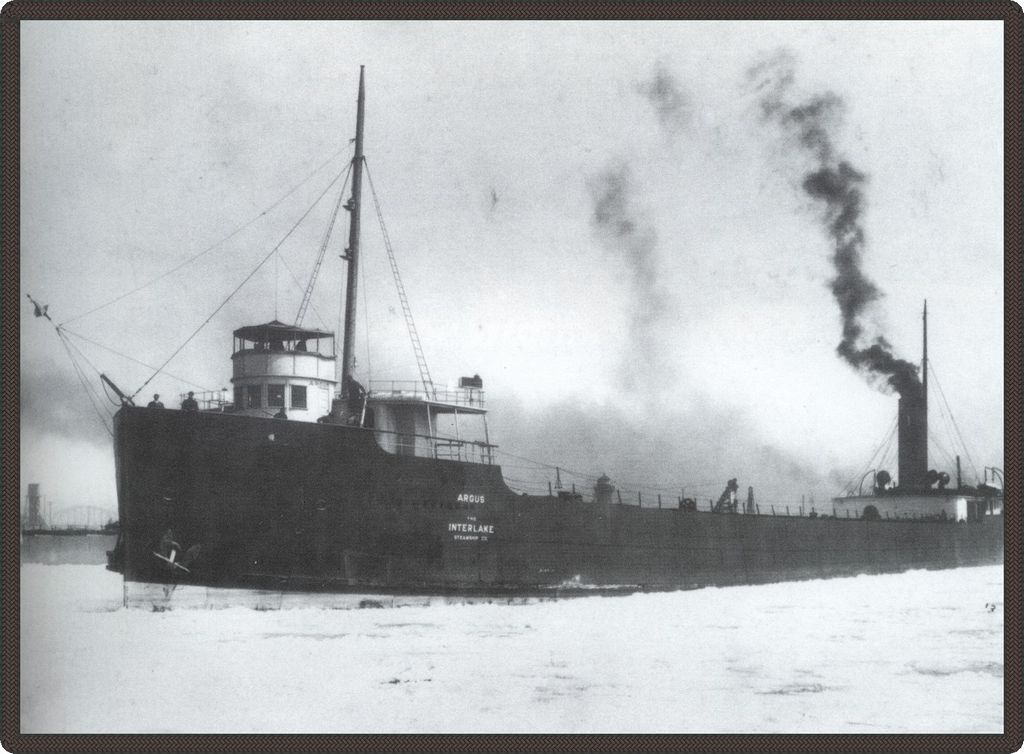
413	390
209	400
444	448
647	500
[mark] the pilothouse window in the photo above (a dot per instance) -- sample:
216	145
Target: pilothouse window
252	396
298	396
275	396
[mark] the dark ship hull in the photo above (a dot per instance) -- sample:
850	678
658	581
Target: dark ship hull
225	500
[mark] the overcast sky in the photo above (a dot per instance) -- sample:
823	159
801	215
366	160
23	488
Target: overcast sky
603	220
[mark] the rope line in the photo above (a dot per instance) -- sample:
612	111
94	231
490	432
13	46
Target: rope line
210	248
79	352
882	447
295	279
41	311
240	285
307	292
403	299
366	318
947	426
946	455
130	358
85	383
956	426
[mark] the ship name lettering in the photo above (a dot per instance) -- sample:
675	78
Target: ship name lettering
472	528
465	497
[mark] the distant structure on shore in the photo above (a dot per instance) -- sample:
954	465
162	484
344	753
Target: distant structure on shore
81	534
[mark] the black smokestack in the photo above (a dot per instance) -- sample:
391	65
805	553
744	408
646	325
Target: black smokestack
839	187
913	441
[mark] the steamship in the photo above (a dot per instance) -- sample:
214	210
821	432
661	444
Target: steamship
308	481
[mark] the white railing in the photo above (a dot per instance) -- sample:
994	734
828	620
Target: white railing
413	390
209	400
445	448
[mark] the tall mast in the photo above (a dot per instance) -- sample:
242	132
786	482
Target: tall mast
924	383
924	358
352	252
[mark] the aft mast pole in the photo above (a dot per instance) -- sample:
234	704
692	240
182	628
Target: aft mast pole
924	373
352	252
924	356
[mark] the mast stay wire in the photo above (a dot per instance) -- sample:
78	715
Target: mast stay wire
41	311
947	457
417	347
130	358
85	383
947	426
307	294
248	277
890	456
85	358
884	444
295	279
366	322
213	246
316	269
963	444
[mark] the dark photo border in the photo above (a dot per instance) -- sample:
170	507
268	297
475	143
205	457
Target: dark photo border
12	299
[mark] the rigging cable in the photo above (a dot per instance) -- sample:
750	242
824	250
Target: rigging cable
417	347
953	419
240	285
295	279
890	456
948	425
68	345
100	374
210	248
885	443
366	322
130	358
85	383
79	352
307	294
947	457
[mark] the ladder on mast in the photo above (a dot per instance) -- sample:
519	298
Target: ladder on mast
417	348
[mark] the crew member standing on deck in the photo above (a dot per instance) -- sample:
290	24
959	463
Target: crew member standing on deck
189	404
155	403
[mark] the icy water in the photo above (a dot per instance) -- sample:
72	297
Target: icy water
914	652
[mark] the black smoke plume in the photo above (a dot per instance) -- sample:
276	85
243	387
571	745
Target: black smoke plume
669	99
632	240
840	189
